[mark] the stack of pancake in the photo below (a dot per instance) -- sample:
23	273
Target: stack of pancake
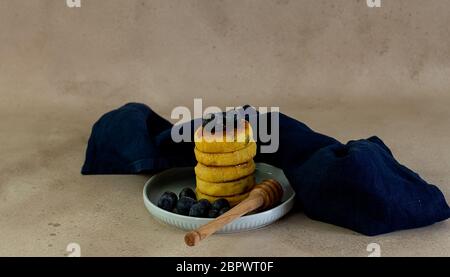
225	166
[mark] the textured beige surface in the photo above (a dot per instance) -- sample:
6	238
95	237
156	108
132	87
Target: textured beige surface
342	68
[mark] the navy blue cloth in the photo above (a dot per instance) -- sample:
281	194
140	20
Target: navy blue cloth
358	185
134	139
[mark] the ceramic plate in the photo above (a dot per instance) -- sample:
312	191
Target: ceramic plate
178	178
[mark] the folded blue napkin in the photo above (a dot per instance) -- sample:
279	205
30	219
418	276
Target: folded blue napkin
358	185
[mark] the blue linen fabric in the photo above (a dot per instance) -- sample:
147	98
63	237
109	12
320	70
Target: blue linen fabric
358	185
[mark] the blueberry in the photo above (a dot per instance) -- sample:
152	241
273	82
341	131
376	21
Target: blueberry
221	120
231	117
184	205
214	120
198	210
168	201
224	210
213	213
187	192
208	118
205	203
220	203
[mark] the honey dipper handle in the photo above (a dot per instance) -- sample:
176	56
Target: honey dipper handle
254	201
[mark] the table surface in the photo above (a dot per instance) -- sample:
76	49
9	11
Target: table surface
46	204
344	70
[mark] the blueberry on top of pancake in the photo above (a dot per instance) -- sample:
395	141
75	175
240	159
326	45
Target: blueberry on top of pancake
222	120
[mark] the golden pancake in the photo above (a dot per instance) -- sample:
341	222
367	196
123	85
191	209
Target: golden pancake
211	143
226	159
218	174
227	188
233	200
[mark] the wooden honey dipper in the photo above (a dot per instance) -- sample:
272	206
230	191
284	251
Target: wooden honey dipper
264	195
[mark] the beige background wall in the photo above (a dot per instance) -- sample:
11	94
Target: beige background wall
344	69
